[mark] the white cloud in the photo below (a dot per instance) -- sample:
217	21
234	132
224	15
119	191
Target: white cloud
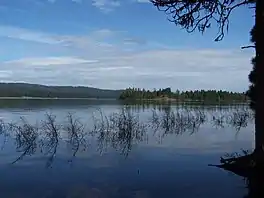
50	61
179	69
143	1
77	1
96	40
106	5
104	34
27	35
137	41
93	61
5	73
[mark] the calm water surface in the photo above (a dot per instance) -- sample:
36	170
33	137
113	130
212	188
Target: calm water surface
106	149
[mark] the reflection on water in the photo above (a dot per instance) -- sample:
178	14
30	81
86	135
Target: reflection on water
166	142
118	130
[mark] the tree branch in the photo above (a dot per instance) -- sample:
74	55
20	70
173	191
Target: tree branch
199	14
249	46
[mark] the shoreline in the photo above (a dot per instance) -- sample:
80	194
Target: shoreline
162	100
181	101
41	98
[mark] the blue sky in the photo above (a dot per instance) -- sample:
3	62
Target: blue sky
117	44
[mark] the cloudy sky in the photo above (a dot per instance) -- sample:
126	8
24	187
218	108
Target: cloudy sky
117	44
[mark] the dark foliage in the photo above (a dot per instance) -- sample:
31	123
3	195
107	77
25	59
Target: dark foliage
252	76
201	95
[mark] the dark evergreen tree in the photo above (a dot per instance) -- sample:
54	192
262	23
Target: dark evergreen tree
252	76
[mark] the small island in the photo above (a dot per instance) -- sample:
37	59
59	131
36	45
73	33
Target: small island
183	96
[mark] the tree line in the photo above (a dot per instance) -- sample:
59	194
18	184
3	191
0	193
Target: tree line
197	95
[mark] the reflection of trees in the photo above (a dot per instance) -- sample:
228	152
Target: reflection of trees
3	133
177	122
120	131
127	130
190	120
50	140
76	134
237	118
26	138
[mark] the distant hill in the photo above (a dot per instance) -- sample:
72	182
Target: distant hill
35	90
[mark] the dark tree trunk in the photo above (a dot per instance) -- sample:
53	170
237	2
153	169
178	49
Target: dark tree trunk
255	187
252	166
259	119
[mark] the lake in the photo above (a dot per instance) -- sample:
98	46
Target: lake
81	149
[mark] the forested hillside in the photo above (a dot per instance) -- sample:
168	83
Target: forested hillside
34	90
